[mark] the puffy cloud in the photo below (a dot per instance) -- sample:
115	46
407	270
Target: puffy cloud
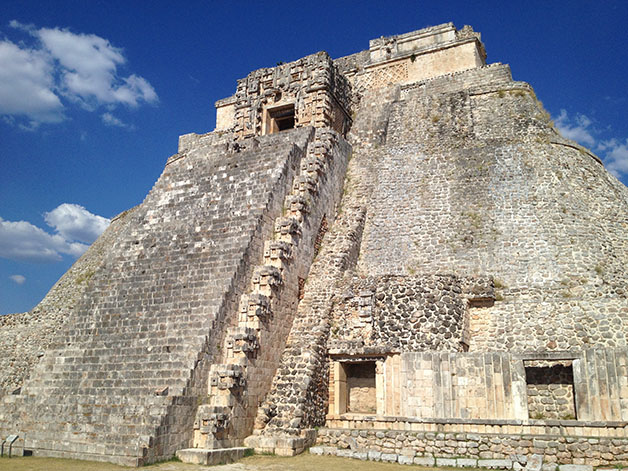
75	227
27	84
19	279
616	159
74	222
22	241
577	129
82	68
89	69
614	152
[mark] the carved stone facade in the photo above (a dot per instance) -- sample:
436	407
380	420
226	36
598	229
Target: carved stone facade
306	92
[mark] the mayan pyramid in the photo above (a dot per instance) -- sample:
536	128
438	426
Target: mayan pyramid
393	255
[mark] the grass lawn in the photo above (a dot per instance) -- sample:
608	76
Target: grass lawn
303	462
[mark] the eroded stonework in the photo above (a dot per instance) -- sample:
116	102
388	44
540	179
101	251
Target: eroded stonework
393	253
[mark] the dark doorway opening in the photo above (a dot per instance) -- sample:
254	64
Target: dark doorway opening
280	119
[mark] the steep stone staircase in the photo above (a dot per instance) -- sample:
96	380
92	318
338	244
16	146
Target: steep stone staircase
253	347
122	382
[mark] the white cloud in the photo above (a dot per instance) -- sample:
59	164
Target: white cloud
577	129
27	84
616	159
23	241
74	222
82	68
75	227
89	69
19	279
111	120
613	151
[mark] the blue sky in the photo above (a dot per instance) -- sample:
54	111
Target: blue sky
93	95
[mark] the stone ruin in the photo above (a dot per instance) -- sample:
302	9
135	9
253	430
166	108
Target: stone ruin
392	255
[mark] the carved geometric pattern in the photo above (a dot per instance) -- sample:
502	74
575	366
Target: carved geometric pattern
383	76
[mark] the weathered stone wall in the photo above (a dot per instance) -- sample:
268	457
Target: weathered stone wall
361	389
488	386
403	313
25	337
490	188
496	446
414	56
135	356
297	401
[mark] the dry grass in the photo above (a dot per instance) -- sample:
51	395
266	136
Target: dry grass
304	462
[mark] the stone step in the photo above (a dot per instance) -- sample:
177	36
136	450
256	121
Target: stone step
72	359
132	447
113	364
55	398
151	387
207	457
111	337
143	385
192	329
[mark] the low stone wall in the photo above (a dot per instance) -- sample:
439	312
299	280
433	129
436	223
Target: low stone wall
506	445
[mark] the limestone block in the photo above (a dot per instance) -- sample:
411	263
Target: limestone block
389	457
575	467
494	464
424	460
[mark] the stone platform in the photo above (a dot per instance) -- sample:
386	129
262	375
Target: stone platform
205	456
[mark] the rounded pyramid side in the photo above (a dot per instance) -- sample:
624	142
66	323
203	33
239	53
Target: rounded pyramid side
468	176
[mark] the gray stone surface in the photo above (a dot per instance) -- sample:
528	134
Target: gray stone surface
25	337
575	467
155	312
424	460
495	464
486	450
390	457
466	462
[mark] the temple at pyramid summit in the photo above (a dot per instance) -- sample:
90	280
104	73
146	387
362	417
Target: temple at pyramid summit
392	255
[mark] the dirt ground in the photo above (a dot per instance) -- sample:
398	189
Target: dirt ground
304	462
